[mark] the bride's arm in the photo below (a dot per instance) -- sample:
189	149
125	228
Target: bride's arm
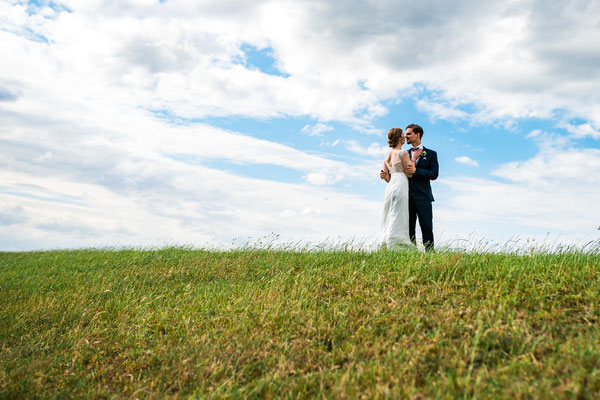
407	161
385	172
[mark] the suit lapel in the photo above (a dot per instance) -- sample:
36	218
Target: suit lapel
421	160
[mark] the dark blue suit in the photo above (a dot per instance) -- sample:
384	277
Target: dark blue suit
420	197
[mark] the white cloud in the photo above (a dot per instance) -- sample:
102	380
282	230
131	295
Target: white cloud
534	133
168	202
287	213
186	58
497	209
374	149
467	161
545	194
141	181
318	178
556	161
310	210
316	130
84	161
441	110
582	131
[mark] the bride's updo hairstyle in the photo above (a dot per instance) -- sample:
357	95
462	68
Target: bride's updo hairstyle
394	136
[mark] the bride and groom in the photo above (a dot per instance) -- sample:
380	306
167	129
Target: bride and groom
408	192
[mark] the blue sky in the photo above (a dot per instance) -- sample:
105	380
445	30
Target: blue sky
153	123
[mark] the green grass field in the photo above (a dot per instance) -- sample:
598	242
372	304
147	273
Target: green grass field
292	324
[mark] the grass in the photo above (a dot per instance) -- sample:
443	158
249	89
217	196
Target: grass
290	324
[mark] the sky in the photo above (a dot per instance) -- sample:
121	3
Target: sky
146	123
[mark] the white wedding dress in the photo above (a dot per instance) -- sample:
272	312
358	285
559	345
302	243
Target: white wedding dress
394	224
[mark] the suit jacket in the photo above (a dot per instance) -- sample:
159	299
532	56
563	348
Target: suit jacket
419	187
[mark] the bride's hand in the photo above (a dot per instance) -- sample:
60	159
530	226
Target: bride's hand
384	175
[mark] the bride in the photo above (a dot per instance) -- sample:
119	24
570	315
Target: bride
394	224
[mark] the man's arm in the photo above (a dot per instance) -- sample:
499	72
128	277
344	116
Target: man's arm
431	174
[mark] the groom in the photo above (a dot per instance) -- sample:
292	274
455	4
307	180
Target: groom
420	197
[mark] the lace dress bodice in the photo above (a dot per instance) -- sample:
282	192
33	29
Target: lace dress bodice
396	162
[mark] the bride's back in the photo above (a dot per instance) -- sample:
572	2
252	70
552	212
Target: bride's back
395	161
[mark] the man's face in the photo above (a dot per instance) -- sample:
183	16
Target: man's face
410	135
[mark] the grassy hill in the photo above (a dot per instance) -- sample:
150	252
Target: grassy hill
292	324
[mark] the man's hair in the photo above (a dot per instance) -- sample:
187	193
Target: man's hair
394	136
416	129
